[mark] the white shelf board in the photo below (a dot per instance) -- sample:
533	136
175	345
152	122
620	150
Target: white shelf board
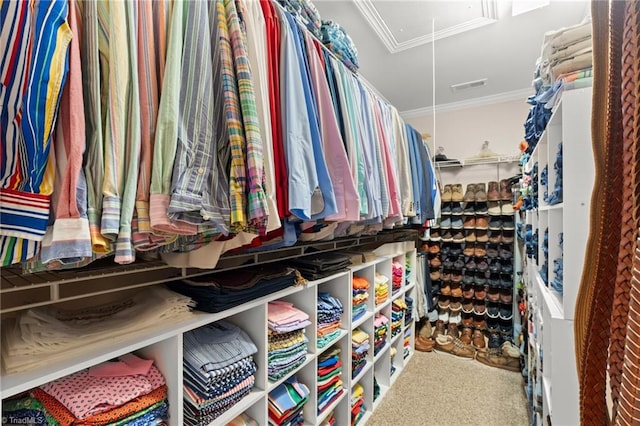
408	324
362	372
393	377
546	392
325	279
383	305
409	287
408	357
361	320
552	304
381	352
398	295
365	265
238	408
364	419
545	207
272	385
477	162
383	390
395	338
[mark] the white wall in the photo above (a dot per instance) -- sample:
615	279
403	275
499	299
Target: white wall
461	133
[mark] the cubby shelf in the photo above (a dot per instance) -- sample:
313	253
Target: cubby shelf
164	344
566	223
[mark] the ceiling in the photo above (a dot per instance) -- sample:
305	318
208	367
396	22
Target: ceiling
483	41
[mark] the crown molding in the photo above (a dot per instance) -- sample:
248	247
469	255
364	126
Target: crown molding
377	23
513	95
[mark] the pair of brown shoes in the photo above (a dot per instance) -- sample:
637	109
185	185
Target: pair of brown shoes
475	192
452	192
424	341
496	357
500	191
453	345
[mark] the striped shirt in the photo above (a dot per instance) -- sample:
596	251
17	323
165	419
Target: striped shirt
196	196
122	126
402	163
336	155
257	52
151	37
166	139
351	136
256	204
93	36
69	239
33	67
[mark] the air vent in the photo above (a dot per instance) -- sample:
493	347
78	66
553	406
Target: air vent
469	85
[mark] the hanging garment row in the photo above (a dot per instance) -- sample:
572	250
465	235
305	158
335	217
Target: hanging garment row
173	127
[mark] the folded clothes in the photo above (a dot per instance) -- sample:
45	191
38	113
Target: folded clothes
286	400
65	417
321	265
49	334
328	338
77	391
215	293
360	283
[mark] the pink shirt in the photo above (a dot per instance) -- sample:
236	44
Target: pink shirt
69	238
280	312
336	155
86	394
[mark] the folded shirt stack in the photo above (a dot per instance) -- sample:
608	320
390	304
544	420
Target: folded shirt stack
393	351
330	420
564	51
316	266
219	370
398	309
329	379
360	289
286	402
382	288
397	272
49	334
286	338
330	312
376	389
336	39
408	314
129	390
224	290
357	404
360	349
407	271
407	342
381	329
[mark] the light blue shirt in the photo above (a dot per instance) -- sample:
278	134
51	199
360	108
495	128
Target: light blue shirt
326	184
310	189
416	174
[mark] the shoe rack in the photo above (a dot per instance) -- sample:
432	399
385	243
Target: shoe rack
557	182
470	254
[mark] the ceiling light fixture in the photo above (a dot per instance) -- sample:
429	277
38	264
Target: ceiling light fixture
469	85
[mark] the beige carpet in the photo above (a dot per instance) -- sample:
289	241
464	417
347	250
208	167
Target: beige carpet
440	389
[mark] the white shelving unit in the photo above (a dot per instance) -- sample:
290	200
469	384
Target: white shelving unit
552	366
165	346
